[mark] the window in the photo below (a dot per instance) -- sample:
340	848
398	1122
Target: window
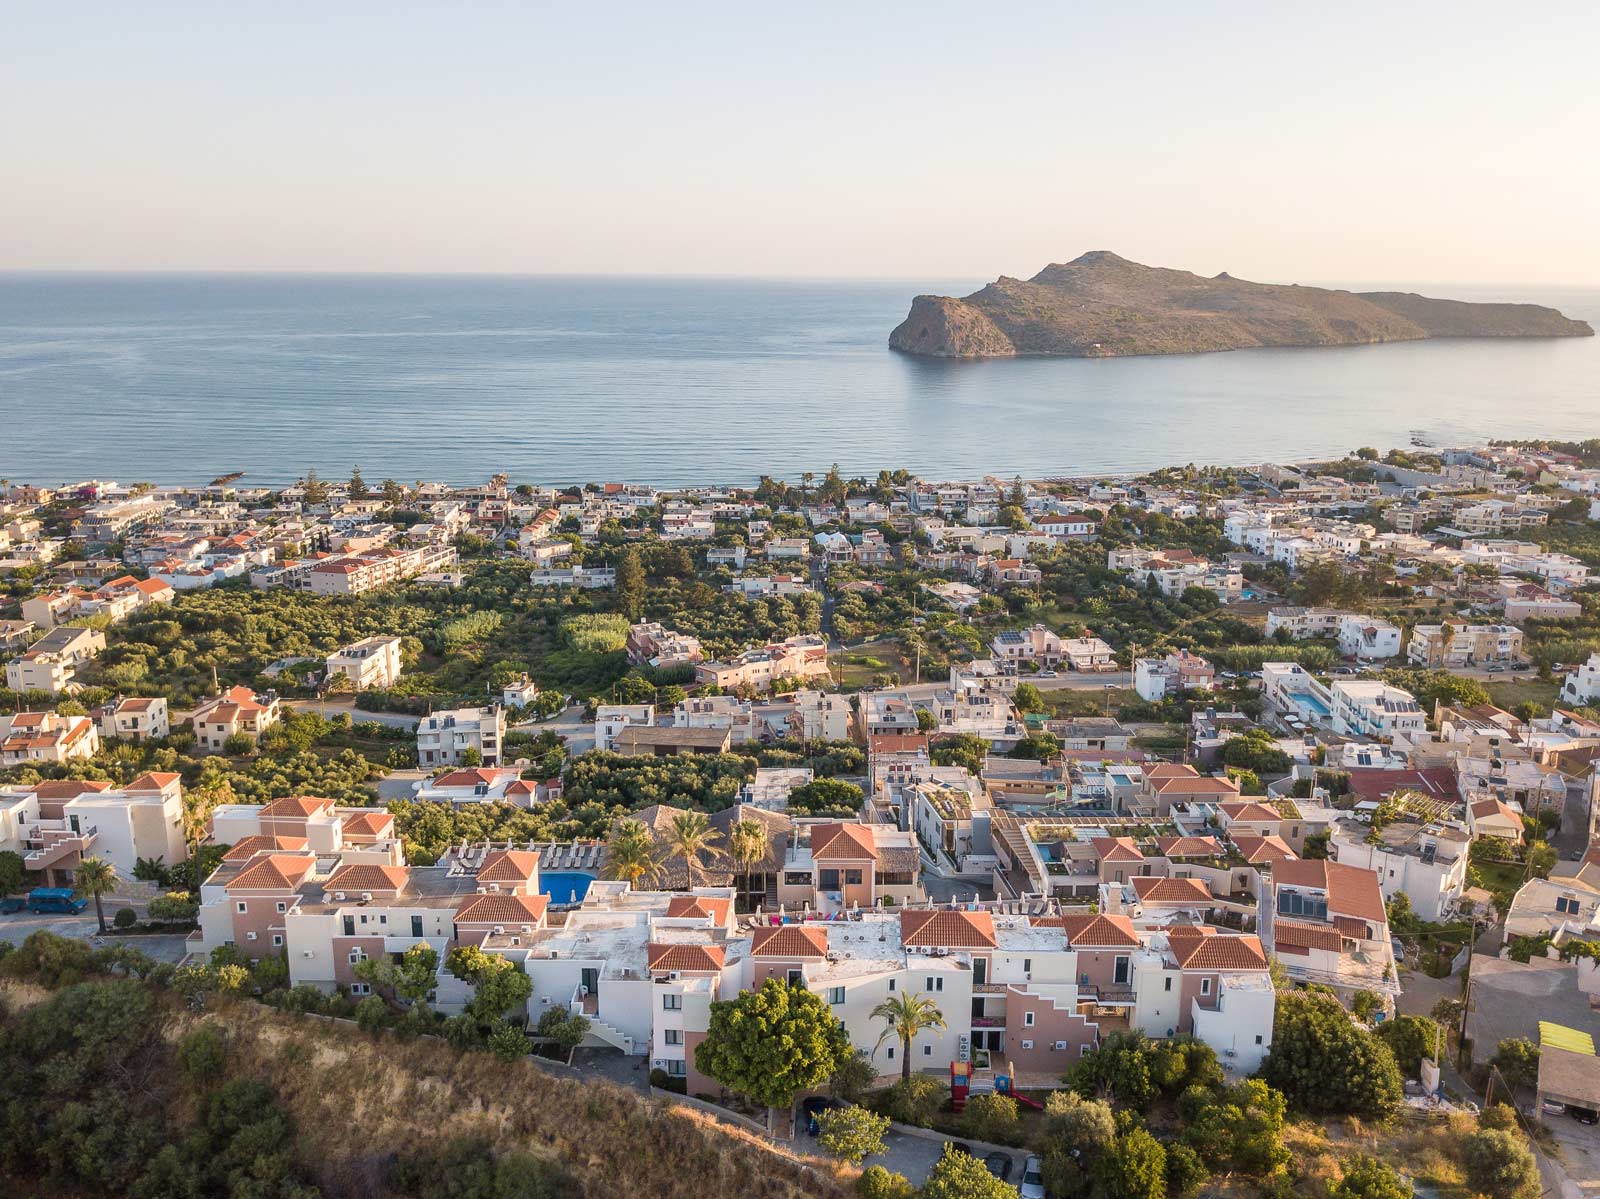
1258	1038
677	1067
1027	965
249	936
349	926
277	938
796	977
927	1051
1168	981
852	876
1119	971
891	986
282	907
1027	1019
384	919
1205	986
835	994
672	1036
241	907
671	1003
357	955
891	1053
360	989
935	984
416	926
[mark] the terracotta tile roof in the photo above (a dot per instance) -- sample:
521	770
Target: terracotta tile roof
1292	934
154	780
68	788
1188	847
699	907
502	908
897	743
1351	890
941	928
364	876
843	842
1116	849
294	806
1171	890
1206	949
246	848
1093	930
152	586
509	866
1198	784
1256	850
368	824
1170	770
789	941
690	958
1249	811
470	778
273	872
1486	808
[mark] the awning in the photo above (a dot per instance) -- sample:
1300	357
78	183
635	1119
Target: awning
1559	1036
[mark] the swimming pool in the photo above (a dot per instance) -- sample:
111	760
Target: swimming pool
564	886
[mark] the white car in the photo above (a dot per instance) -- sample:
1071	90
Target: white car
1032	1186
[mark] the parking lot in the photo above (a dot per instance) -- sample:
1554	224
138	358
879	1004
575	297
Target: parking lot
16	929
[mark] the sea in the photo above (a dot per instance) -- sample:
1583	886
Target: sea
180	378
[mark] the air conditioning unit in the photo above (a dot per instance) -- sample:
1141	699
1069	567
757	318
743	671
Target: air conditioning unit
366	897
308	953
339	895
1027	1044
499	931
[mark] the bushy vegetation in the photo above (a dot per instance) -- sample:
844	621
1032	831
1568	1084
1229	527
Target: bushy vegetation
1324	1062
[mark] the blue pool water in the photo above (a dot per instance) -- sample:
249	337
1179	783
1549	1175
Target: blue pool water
564	886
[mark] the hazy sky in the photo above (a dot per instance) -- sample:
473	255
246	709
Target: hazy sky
1424	142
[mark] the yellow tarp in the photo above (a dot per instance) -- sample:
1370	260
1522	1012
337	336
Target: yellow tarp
1559	1036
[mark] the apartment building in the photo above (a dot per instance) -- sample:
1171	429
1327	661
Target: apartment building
1157	678
358	574
801	657
611	719
1035	644
650	644
51	663
587	578
46	737
1089	655
369	664
1368	638
1454	645
487	784
1424	860
133	719
805	716
238	710
1325	922
445	738
1371	709
55	825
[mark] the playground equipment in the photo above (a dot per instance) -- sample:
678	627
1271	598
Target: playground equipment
1002	1084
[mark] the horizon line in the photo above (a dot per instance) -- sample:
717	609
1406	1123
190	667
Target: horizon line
659	276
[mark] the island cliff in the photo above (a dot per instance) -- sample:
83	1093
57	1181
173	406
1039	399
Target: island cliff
1102	305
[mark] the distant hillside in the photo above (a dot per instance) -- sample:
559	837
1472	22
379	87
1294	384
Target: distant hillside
1101	306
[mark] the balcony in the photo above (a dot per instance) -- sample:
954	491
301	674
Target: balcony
47	843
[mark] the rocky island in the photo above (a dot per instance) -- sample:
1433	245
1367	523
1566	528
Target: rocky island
1101	305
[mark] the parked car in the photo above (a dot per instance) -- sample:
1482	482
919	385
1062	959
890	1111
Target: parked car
1583	1115
1047	674
1495	669
12	904
1032	1179
999	1165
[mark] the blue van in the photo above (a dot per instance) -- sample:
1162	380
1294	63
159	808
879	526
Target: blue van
59	900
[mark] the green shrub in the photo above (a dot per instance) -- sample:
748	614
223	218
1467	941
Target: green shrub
125	918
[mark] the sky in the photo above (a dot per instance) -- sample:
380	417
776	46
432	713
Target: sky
1422	142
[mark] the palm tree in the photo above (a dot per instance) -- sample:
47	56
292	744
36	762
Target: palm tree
196	819
689	836
747	845
631	854
95	877
905	1016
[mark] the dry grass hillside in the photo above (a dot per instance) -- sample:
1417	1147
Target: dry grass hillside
360	1101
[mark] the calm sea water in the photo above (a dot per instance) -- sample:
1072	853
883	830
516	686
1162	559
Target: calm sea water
179	378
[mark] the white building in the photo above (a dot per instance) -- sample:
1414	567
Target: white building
611	719
371	663
1583	684
443	738
1373	709
1367	637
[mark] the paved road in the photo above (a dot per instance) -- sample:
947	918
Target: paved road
17	929
905	1153
331	707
